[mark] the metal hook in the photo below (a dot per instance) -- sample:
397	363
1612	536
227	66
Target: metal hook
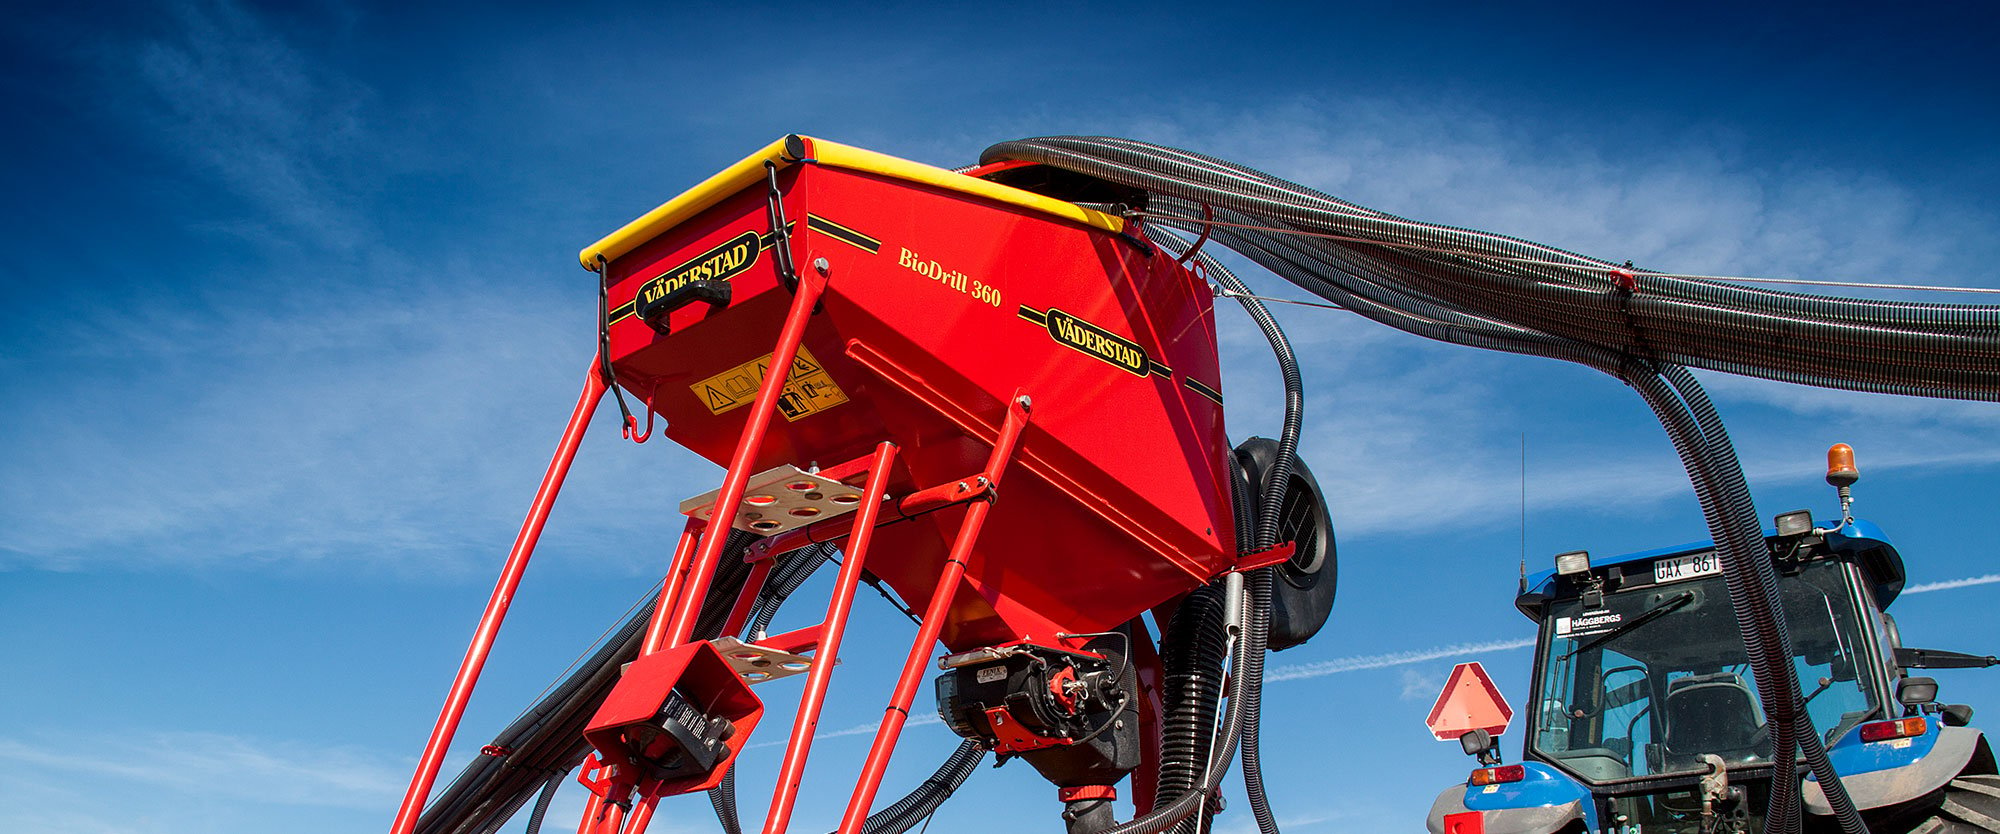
632	432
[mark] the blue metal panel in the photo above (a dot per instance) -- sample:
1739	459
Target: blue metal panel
1544	787
1851	756
1846	538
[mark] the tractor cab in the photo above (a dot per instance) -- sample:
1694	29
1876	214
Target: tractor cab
1641	679
1643	716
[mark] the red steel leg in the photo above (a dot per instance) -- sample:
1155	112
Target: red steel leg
642	815
898	710
593	810
739	616
496	605
656	630
811	284
793	770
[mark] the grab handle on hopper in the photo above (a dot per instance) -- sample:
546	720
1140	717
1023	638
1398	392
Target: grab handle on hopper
713	292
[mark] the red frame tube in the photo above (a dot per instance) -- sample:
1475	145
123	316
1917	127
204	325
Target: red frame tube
656	630
594	387
792	771
746	599
811	285
932	624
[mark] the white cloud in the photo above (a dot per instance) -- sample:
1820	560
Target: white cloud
1950	584
239	101
1355	663
1419	685
922	718
218	766
359	420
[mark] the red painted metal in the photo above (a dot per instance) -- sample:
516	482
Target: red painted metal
919	316
656	629
642	814
932	624
697	673
796	641
742	464
938	306
792	771
497	604
605	788
1073	794
746	599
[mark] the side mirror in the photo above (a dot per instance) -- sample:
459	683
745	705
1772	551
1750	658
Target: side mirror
1481	744
1912	692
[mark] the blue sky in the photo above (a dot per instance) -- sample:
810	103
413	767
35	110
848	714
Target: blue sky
289	320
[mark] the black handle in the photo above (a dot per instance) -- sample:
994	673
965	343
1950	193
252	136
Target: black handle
654	313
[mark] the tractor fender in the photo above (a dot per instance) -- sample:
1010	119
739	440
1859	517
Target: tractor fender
1545	802
1877	775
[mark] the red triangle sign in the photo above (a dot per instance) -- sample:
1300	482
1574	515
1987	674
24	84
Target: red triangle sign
1469	702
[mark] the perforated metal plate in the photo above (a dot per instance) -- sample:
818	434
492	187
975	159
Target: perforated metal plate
781	499
756	664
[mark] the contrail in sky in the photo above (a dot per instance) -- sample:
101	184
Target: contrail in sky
1949	584
1355	663
917	719
1378	661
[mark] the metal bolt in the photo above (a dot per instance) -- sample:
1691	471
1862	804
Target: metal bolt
821	265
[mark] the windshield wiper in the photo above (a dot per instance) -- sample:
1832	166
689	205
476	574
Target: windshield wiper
1657	612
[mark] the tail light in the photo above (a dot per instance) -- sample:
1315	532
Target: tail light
1886	730
1497	775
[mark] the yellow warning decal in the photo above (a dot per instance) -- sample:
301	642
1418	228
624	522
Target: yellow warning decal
808	390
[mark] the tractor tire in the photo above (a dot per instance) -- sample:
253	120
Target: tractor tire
1971	806
1303	589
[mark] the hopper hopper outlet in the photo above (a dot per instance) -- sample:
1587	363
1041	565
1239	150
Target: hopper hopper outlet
780	499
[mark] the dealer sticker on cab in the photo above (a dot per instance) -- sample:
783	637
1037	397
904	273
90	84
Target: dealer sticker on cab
1686	567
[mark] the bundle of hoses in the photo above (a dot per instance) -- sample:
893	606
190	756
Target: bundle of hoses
546	742
1500	293
1483	285
1266	515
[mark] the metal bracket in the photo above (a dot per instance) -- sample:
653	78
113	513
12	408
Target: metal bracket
756	664
780	499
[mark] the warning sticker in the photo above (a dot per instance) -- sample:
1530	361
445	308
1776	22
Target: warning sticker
808	390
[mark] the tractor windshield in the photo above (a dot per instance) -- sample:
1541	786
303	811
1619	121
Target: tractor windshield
1656	675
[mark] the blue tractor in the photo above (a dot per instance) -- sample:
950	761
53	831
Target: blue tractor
1644	718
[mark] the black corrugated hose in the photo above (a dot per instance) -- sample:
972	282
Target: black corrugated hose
548	737
1942	350
1264	519
1500	293
542	802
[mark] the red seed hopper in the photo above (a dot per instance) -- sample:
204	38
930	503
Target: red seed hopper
1005	405
944	297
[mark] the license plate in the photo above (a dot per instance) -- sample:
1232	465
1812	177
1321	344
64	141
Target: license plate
1686	567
